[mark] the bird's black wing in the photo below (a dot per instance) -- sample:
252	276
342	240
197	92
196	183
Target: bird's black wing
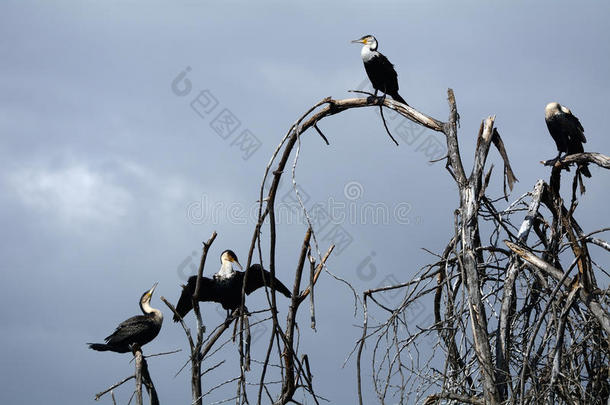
259	277
138	329
185	302
575	146
558	131
208	291
568	133
382	74
577	132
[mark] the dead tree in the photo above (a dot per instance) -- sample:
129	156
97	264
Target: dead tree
511	323
512	326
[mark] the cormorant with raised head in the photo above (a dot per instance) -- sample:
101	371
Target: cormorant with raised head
137	330
225	286
567	132
379	69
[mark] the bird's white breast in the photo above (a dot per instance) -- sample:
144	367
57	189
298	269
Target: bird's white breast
226	271
367	54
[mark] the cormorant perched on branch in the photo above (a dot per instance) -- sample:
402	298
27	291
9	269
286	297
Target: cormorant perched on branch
225	286
567	132
137	330
380	71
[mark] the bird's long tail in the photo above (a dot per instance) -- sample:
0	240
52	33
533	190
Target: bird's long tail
397	97
100	347
584	169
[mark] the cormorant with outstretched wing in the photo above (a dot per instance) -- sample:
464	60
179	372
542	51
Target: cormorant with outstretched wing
225	286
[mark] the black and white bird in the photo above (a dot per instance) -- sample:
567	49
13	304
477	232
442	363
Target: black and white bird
135	331
379	69
225	286
567	132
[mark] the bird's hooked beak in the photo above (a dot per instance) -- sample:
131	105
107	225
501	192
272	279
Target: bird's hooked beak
359	41
230	258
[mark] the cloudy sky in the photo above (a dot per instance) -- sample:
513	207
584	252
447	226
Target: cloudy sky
114	169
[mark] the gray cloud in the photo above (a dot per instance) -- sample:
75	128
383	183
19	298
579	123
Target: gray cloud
100	159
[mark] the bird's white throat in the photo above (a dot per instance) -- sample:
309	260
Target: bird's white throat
150	310
367	53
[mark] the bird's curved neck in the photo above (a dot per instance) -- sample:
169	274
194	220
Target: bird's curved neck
148	310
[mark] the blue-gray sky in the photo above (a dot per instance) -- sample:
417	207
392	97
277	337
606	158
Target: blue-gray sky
108	177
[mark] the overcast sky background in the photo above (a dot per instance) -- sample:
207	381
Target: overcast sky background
108	177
